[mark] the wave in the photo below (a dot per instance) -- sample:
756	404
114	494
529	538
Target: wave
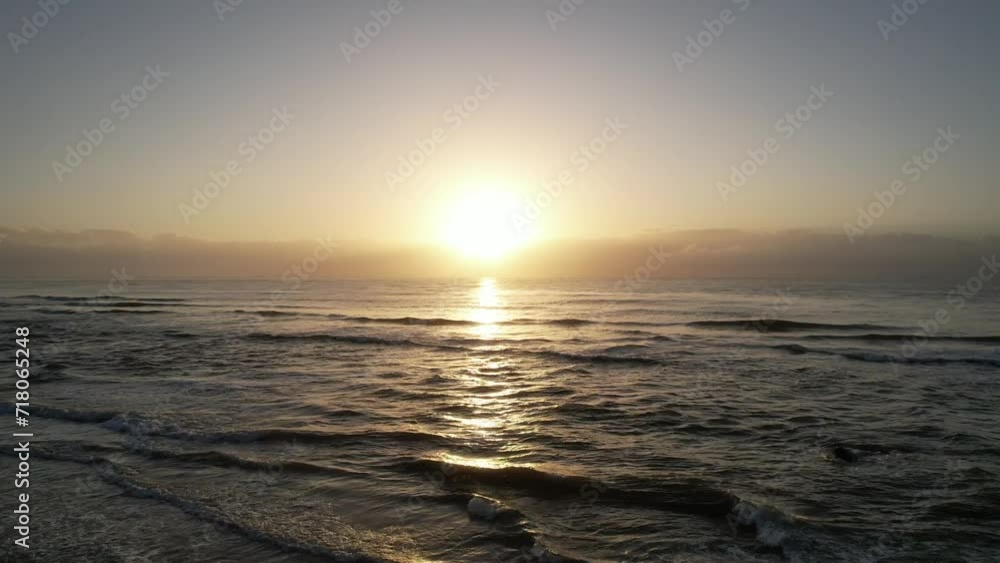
223	459
115	311
690	497
596	358
504	341
589	411
549	391
405	320
406	342
762	325
271	313
489	509
255	529
71	415
603	301
771	527
661	338
570	322
885	358
467	344
438	321
649	335
52	371
130	311
508	527
276	313
51	311
794	349
575	322
347	339
572	370
875	337
172	333
625	348
779	325
99	298
207	457
131	304
139	425
774	530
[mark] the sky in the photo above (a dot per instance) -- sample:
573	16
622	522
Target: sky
448	121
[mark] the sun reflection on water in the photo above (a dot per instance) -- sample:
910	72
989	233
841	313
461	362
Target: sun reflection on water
489	310
491	411
483	463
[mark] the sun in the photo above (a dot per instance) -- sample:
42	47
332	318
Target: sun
478	224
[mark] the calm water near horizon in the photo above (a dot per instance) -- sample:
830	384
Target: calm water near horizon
492	420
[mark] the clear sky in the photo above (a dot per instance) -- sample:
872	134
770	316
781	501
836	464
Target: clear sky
550	92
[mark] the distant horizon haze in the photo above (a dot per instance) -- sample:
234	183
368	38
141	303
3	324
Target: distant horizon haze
717	253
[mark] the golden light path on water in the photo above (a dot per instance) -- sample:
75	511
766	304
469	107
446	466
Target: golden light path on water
498	413
489	311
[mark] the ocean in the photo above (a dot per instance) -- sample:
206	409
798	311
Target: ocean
503	420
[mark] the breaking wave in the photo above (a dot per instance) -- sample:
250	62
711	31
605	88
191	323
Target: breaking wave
688	497
254	528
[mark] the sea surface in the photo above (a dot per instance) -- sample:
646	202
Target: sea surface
493	420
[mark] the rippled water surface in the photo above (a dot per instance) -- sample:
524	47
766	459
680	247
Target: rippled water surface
493	420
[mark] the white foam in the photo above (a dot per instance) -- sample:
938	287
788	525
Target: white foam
484	508
772	526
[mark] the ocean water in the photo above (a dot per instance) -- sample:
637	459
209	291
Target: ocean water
493	420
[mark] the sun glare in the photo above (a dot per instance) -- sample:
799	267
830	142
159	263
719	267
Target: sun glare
478	224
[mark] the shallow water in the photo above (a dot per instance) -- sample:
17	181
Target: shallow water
493	420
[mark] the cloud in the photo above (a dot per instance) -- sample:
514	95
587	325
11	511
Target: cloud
92	254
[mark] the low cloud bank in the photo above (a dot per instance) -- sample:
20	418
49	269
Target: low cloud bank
37	254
